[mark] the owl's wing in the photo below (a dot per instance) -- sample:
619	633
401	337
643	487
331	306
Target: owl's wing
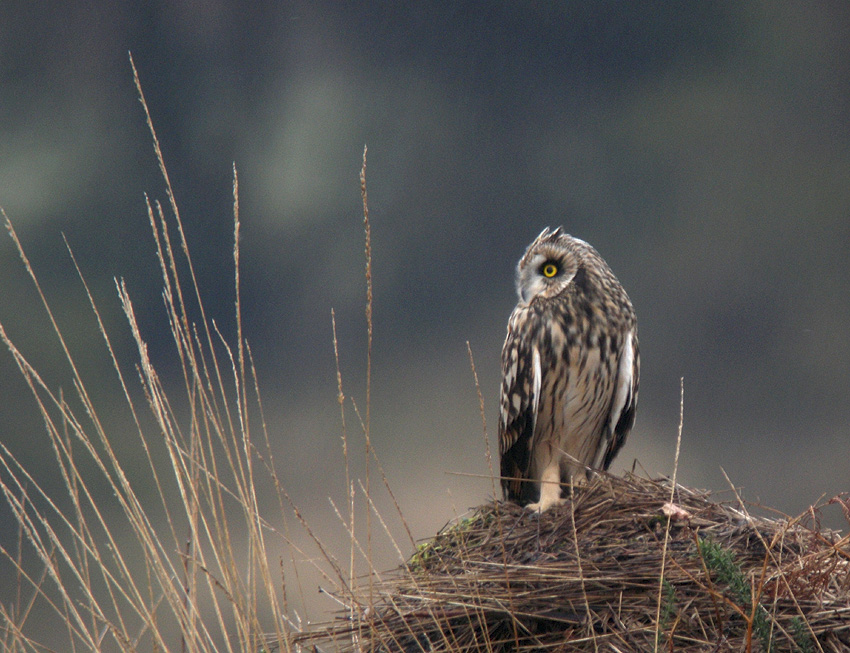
622	415
520	394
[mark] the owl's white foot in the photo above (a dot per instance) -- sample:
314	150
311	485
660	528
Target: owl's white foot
550	491
550	488
544	505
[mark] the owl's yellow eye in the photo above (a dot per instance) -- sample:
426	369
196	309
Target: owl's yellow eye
550	270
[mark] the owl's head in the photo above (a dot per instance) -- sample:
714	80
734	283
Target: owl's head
548	266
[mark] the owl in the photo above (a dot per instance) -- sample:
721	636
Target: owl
570	369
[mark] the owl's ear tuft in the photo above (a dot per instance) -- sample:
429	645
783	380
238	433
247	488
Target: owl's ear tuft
543	234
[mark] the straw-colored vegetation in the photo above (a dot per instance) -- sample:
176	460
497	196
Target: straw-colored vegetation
626	564
189	570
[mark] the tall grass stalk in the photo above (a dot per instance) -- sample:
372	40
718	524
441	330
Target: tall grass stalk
197	567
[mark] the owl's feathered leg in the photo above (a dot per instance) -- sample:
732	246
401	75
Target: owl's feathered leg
550	484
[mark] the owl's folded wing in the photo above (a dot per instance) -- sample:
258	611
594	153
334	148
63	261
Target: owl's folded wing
520	394
622	416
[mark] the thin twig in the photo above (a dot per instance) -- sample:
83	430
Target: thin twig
483	419
589	613
670	519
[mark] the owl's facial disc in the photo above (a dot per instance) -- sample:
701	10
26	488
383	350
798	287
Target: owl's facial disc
544	274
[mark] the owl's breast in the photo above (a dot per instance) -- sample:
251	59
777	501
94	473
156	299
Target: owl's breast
576	392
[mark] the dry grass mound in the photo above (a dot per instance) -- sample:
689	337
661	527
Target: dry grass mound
618	568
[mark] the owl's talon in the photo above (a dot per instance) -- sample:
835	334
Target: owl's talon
540	507
533	508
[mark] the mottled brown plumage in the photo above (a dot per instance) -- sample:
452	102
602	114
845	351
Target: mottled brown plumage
570	370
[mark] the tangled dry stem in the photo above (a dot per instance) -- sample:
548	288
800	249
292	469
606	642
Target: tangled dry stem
585	577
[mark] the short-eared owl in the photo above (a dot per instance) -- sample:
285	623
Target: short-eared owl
570	369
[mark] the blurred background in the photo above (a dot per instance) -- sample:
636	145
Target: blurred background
702	148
